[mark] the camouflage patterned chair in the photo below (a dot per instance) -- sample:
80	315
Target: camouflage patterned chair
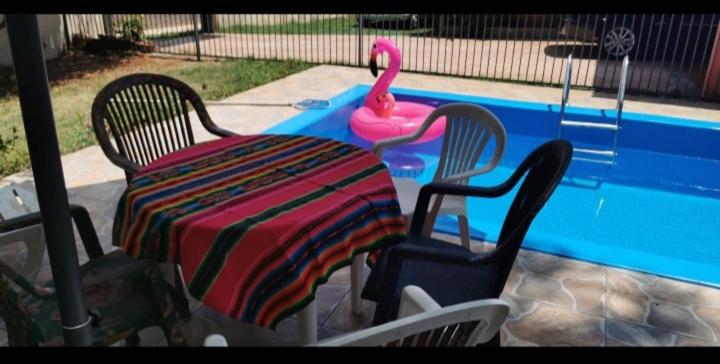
123	295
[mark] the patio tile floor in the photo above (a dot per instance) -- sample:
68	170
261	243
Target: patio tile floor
554	300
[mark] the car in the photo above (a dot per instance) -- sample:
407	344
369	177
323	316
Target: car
407	20
644	36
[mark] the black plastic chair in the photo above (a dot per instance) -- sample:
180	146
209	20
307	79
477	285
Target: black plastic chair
148	116
451	273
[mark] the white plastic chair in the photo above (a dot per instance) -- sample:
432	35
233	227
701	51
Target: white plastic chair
16	201
468	131
422	322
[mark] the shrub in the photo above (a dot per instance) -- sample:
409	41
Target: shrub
132	28
10	155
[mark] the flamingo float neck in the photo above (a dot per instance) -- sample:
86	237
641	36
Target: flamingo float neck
379	100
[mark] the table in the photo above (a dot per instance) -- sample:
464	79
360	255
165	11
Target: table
258	222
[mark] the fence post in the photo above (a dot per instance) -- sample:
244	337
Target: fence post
66	31
108	25
197	37
360	40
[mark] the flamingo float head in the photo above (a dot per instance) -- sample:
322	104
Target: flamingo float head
382	45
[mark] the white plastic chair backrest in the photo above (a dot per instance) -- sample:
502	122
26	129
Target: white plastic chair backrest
428	324
423	322
468	130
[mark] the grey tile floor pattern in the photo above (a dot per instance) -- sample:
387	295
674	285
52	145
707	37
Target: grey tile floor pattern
554	300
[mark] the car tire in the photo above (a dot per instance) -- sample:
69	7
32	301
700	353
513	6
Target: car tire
618	42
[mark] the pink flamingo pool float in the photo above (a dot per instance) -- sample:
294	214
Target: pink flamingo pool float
382	117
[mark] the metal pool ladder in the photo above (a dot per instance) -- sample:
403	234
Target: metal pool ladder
605	156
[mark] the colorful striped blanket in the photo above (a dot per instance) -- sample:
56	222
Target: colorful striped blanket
258	222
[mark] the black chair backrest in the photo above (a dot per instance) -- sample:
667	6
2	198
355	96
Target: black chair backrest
148	117
543	170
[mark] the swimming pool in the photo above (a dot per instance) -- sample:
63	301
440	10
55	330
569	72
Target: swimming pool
657	210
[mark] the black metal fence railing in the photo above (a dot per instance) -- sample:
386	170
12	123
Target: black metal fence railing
669	53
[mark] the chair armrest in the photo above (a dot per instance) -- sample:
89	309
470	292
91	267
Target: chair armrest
113	155
82	221
20	222
414	300
379	146
442	188
204	116
87	232
214	129
117	159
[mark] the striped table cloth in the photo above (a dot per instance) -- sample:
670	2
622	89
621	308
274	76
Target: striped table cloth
258	222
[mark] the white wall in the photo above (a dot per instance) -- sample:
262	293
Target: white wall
51	35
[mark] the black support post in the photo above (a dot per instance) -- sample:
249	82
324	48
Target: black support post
36	107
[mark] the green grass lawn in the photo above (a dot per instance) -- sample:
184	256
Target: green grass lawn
311	25
75	81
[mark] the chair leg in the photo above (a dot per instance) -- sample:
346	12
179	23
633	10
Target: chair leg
20	339
173	336
179	299
356	283
165	301
133	340
432	216
493	343
408	220
20	328
176	288
464	231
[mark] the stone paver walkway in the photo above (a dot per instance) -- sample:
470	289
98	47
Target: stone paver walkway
555	301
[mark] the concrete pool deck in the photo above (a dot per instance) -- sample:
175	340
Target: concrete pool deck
555	301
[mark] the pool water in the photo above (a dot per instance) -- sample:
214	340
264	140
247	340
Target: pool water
657	210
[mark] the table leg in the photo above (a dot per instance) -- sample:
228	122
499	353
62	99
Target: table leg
356	283
307	324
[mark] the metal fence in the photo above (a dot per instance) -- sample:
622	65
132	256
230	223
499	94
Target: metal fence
669	53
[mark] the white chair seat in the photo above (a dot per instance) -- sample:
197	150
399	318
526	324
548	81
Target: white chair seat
408	190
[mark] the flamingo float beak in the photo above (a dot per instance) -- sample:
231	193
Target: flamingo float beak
373	62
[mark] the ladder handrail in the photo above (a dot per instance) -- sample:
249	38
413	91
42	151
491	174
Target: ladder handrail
566	86
621	100
621	90
619	109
